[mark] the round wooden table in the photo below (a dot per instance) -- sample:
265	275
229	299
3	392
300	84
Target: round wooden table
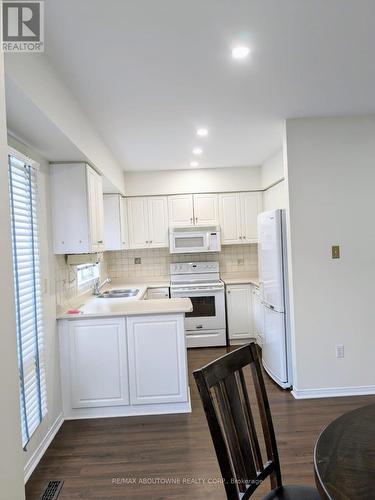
344	457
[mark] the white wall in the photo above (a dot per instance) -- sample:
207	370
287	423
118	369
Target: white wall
272	175
11	466
275	197
273	169
193	181
54	415
331	177
38	81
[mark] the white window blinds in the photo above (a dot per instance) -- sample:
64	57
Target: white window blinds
26	269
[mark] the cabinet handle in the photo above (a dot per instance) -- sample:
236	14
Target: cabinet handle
196	219
146	242
240	237
228	292
150	242
191	220
100	241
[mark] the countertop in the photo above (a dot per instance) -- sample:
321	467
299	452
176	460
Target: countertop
240	279
92	307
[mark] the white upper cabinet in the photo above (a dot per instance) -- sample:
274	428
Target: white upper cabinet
230	218
157	222
77	209
180	210
115	222
148	222
238	213
138	222
251	206
193	209
206	212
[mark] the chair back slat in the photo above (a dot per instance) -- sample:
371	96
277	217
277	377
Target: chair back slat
223	390
250	424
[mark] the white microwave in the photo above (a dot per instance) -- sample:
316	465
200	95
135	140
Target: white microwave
194	239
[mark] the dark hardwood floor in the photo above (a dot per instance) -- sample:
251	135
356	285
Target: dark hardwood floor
119	457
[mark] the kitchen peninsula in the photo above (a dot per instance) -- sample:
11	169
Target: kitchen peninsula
124	356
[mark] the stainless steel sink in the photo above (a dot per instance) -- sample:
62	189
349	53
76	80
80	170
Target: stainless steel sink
119	294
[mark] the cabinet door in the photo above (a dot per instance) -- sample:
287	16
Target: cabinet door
230	218
138	222
124	225
158	222
95	209
115	222
251	206
206	211
157	293
98	362
180	209
239	310
258	313
157	359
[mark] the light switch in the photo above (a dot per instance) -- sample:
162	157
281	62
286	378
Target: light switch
335	251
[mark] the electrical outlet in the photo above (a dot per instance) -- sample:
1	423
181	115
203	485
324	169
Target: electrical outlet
137	260
340	351
240	262
335	251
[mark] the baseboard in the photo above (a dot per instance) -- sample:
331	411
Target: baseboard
39	452
333	392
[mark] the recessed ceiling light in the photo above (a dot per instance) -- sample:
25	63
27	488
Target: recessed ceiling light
197	151
240	52
194	164
202	132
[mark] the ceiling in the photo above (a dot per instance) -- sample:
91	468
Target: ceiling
149	72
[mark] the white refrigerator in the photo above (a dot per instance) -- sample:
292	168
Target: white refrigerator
274	296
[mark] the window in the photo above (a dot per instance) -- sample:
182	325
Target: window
87	273
23	190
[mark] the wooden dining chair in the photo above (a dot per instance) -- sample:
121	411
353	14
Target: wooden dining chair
225	399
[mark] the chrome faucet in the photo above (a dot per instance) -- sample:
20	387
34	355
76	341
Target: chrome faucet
98	286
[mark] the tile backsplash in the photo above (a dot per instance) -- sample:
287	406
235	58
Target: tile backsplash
154	263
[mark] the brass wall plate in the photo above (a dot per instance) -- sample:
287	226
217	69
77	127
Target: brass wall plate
335	252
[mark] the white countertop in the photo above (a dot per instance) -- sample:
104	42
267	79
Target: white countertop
240	279
91	306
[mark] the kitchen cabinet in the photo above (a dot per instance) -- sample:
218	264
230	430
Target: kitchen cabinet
98	363
239	312
193	209
115	222
148	222
157	360
157	293
180	210
123	365
77	209
238	214
258	311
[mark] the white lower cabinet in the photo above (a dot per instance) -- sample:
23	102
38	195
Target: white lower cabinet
258	316
157	360
157	293
240	312
98	363
118	366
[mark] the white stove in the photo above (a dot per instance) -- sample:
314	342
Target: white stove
200	282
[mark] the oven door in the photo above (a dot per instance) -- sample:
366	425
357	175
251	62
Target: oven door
208	309
189	242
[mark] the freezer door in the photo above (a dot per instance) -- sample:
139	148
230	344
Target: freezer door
271	258
274	354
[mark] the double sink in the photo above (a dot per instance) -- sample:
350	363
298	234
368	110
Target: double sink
122	293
